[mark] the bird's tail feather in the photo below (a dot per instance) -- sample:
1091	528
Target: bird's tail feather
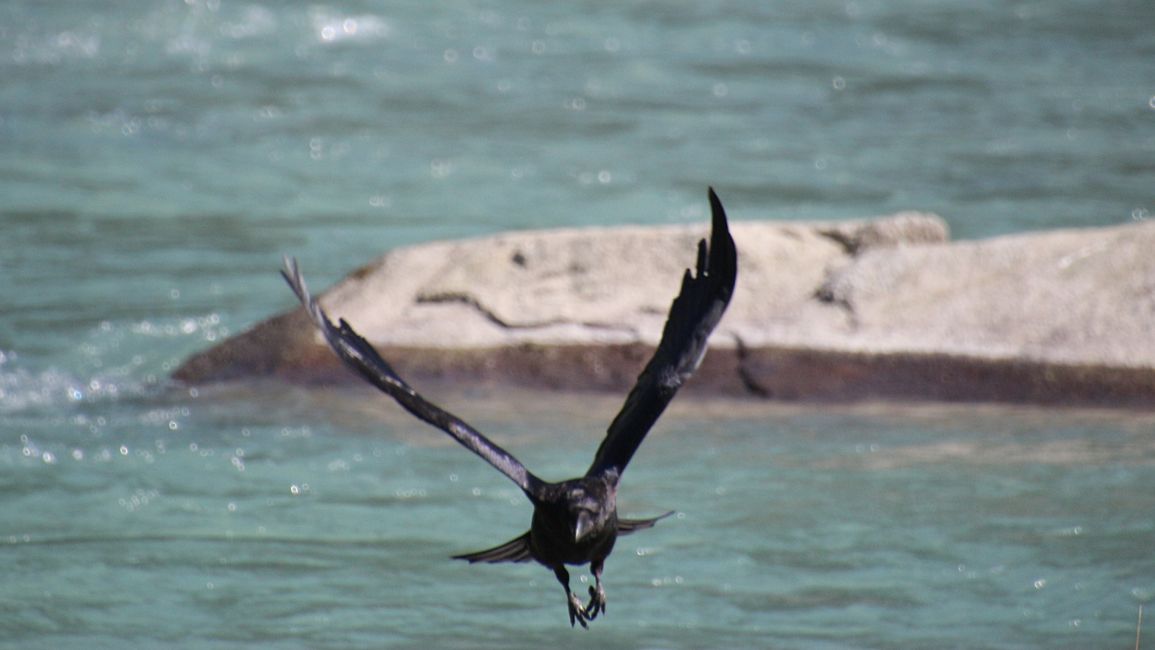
515	550
627	526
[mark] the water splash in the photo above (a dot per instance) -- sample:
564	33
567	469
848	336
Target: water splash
23	389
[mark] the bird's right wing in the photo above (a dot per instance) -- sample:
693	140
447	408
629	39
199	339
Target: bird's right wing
693	315
359	355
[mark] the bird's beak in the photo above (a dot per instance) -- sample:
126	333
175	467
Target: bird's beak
583	526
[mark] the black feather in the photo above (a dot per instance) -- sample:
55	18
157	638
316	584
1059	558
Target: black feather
693	315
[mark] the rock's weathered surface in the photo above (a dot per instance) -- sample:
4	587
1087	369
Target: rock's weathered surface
882	308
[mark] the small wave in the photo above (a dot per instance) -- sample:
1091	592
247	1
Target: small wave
207	327
111	362
22	389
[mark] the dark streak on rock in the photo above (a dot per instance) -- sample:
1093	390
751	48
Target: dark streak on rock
748	378
469	301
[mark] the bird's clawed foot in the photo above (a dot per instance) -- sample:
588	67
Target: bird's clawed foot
597	604
578	612
584	613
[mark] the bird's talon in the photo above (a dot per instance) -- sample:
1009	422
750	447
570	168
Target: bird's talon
597	604
577	613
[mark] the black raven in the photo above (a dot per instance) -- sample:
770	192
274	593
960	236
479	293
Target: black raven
574	521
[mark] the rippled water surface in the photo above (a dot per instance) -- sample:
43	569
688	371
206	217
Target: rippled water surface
156	159
323	519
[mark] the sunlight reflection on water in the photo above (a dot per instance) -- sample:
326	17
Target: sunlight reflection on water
157	162
835	517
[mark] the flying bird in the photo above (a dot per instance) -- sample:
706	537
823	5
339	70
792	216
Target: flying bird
576	521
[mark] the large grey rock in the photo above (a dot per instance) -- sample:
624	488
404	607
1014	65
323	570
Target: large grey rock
881	308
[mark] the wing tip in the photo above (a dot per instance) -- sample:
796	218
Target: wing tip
717	211
719	223
291	272
723	252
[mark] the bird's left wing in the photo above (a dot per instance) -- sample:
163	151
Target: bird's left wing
693	315
359	355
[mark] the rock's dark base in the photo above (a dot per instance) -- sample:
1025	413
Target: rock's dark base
780	374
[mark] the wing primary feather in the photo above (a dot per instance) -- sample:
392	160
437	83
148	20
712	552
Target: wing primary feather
627	526
693	315
515	550
360	356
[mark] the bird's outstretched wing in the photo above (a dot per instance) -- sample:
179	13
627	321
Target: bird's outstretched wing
360	356
693	315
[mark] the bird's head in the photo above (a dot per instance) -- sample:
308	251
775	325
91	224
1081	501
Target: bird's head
584	524
589	509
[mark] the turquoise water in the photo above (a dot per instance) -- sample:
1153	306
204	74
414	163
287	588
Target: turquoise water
156	159
321	519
